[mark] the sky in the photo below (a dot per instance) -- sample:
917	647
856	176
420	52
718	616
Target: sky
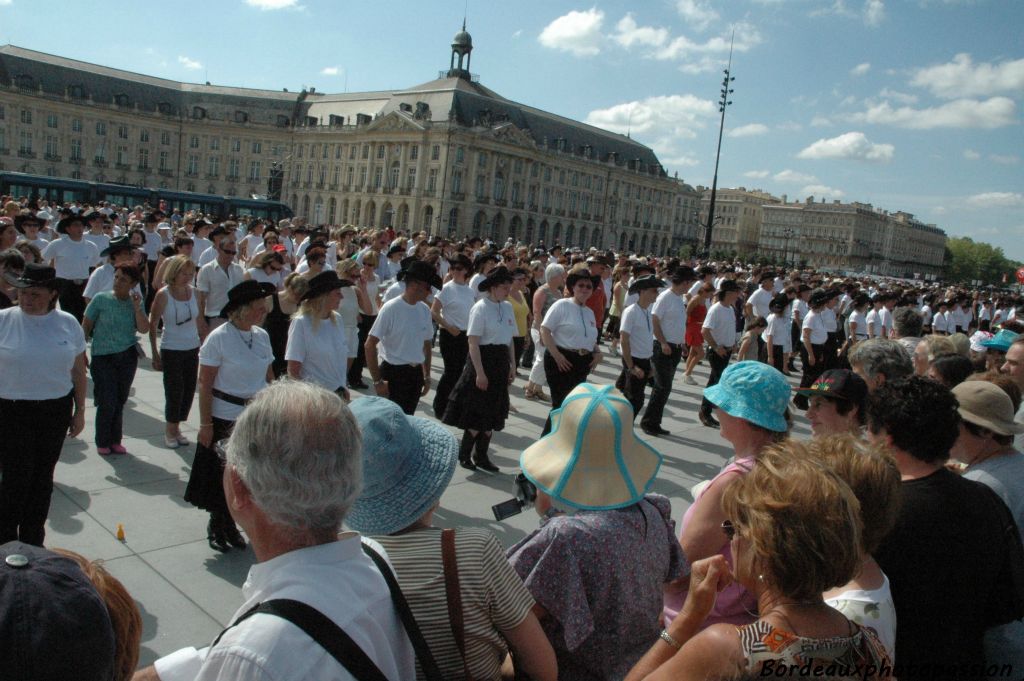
911	105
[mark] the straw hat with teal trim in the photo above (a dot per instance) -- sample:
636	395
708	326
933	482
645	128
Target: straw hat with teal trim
592	459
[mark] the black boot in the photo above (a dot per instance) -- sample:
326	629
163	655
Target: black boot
231	533
466	450
215	535
483	441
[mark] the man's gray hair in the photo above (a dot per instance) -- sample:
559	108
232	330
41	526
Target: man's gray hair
298	449
881	356
907	322
551	271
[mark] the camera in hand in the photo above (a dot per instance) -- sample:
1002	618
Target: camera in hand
526	495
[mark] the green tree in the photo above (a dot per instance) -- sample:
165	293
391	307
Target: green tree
967	260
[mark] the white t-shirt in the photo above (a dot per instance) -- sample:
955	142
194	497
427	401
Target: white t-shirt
456	301
276	278
494	323
100	241
636	321
816	324
207	256
72	259
199	247
215	282
572	326
251	243
695	289
940	323
242	371
873	324
670	310
179	331
828	318
154	242
926	315
759	301
885	318
474	281
37	353
722	322
102	279
861	321
779	330
323	352
874	609
402	330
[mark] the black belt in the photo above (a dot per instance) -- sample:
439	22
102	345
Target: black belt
232	399
574	351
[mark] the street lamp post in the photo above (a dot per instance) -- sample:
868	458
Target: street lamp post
723	103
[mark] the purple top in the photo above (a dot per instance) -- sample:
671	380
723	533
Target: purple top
734	604
600	576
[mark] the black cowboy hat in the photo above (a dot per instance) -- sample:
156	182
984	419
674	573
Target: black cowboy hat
420	271
34	275
121	243
480	259
499	275
245	293
820	297
645	282
324	283
728	286
21	219
683	274
62	226
460	259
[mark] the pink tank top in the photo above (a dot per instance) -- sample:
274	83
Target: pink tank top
734	605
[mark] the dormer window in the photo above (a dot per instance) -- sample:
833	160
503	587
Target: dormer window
164	108
77	92
25	81
198	113
241	117
122	100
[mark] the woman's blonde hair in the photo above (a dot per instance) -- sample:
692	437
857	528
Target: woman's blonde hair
314	309
370	258
801	520
174	265
265	258
344	267
296	284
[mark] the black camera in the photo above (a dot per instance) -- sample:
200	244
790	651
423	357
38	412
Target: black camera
526	495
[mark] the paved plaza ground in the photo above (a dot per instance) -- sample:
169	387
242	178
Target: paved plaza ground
187	592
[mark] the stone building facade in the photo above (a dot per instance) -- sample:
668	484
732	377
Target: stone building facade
738	218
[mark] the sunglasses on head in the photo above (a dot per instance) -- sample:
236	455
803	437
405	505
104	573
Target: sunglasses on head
728	529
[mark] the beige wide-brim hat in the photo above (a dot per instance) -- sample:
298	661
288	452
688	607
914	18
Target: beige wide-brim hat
985	404
592	459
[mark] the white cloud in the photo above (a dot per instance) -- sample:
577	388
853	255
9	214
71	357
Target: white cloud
517	34
757	174
962	78
751	130
997	199
5	3
874	12
903	97
698	15
272	4
962	113
578	33
627	33
190	64
330	71
703	65
860	69
1004	159
820	122
971	155
793	177
747	37
823	191
851	146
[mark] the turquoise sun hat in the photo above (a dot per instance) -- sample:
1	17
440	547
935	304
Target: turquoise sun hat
592	458
752	391
1001	341
407	464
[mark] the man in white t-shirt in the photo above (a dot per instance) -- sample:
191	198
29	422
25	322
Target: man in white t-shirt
73	257
292	472
215	279
94	222
668	316
758	305
403	330
636	336
719	332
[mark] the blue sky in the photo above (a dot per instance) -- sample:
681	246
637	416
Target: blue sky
910	105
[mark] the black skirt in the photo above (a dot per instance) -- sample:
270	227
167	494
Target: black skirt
469	407
205	488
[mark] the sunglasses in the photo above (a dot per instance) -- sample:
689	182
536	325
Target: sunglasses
728	529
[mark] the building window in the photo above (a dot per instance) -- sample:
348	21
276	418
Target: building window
352	153
76	149
380	151
435	152
481	160
479	186
432	180
213	166
366	151
51	120
101	154
362	177
3	112
460	154
515	192
164	158
122	132
410	178
76	125
144	135
257	147
337	152
144	159
309	174
348	177
214	144
233	168
534	170
101	128
26	116
457	181
336	177
414	152
378	177
393	179
25	142
193	142
499	187
322	176
518	165
193	166
51	146
326	150
547	174
165	137
236	147
301	150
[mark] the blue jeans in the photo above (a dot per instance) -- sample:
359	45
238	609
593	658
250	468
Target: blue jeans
112	377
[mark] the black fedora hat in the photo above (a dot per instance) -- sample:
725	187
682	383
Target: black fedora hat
645	282
34	275
420	271
728	286
22	218
499	275
62	226
121	243
683	274
245	293
324	283
480	259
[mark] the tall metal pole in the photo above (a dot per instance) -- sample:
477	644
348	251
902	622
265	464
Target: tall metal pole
723	102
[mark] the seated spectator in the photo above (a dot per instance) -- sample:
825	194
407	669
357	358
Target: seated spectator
795	530
950	370
836	403
605	549
951	536
293	469
407	464
879	361
53	624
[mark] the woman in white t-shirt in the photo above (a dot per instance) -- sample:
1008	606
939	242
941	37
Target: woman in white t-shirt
42	390
353	302
450	311
370	284
317	345
856	323
269	268
813	337
234	364
178	356
777	337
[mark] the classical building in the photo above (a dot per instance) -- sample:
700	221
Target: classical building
738	218
449	156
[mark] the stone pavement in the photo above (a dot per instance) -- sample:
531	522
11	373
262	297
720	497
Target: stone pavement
187	592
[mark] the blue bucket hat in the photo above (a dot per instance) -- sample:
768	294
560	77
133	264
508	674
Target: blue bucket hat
1000	342
592	459
752	391
407	464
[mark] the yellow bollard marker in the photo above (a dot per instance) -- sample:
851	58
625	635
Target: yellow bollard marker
120	532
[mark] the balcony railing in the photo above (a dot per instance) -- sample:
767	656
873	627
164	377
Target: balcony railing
99	163
24	153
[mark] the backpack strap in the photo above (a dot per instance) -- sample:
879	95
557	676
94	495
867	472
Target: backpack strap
453	592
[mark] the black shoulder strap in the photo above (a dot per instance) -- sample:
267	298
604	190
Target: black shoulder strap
427	663
321	629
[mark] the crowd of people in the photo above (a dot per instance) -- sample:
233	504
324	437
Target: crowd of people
889	544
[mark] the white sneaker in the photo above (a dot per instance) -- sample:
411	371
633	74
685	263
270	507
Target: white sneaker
688	379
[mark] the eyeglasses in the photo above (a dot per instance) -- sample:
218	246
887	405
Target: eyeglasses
729	529
220	448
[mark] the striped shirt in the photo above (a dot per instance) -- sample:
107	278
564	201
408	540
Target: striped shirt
494	598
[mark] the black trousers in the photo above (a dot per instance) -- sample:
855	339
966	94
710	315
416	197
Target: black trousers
518	346
181	371
561	383
32	433
778	354
831	351
152	286
355	372
811	373
633	387
69	295
454	351
405	383
112	377
717	365
664	369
